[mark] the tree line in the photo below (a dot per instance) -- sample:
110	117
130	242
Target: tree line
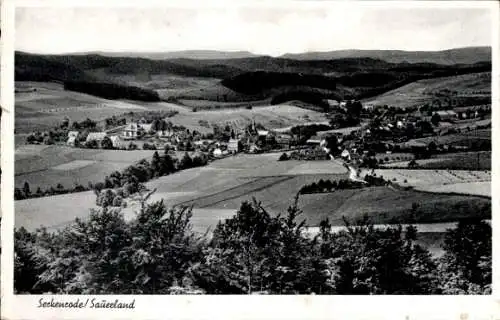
254	252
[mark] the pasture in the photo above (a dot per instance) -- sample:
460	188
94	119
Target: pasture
453	181
426	91
217	190
46	166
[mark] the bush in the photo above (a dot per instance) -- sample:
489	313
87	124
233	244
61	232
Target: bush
283	157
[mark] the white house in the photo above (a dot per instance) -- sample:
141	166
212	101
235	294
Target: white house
72	136
117	142
98	136
345	155
262	133
134	130
217	152
233	145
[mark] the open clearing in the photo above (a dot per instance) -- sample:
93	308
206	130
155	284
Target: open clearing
452	181
217	190
46	166
424	91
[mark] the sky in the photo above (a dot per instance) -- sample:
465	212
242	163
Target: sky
271	30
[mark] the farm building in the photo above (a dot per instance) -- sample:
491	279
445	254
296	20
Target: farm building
72	136
345	155
117	142
97	136
217	152
262	133
233	146
446	115
134	130
314	140
368	107
284	141
164	133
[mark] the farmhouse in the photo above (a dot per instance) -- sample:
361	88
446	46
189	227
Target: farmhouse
284	141
117	142
164	133
447	115
134	130
72	136
233	145
96	136
315	140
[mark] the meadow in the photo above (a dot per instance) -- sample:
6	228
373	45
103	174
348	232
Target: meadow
217	190
46	166
426	91
452	181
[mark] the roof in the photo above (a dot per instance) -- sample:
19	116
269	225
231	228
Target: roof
262	132
446	113
73	134
146	127
96	136
314	139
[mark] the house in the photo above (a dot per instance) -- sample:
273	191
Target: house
217	152
117	142
262	133
96	136
368	107
164	133
134	130
233	145
333	103
446	115
314	140
72	136
284	141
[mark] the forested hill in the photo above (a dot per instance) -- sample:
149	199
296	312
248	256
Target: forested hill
262	76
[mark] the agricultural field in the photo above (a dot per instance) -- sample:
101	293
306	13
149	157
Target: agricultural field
217	190
450	181
46	166
473	85
50	104
269	116
480	160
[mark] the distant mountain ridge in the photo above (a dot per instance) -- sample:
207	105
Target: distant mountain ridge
184	54
466	55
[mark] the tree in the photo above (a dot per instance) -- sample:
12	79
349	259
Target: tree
92	144
466	266
435	119
186	162
156	165
283	157
106	143
254	252
26	189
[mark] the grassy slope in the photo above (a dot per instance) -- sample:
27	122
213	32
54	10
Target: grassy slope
217	190
424	91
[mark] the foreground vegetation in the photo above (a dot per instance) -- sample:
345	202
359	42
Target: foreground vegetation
253	252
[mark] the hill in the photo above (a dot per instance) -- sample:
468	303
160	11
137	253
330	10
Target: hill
453	56
467	89
186	54
245	79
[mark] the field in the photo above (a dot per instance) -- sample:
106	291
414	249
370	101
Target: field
217	190
46	166
425	91
480	160
452	181
50	104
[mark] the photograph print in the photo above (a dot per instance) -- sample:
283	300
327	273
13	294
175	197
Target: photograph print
282	150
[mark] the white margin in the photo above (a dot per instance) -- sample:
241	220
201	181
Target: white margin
239	307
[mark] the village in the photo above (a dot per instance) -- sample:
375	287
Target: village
363	135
